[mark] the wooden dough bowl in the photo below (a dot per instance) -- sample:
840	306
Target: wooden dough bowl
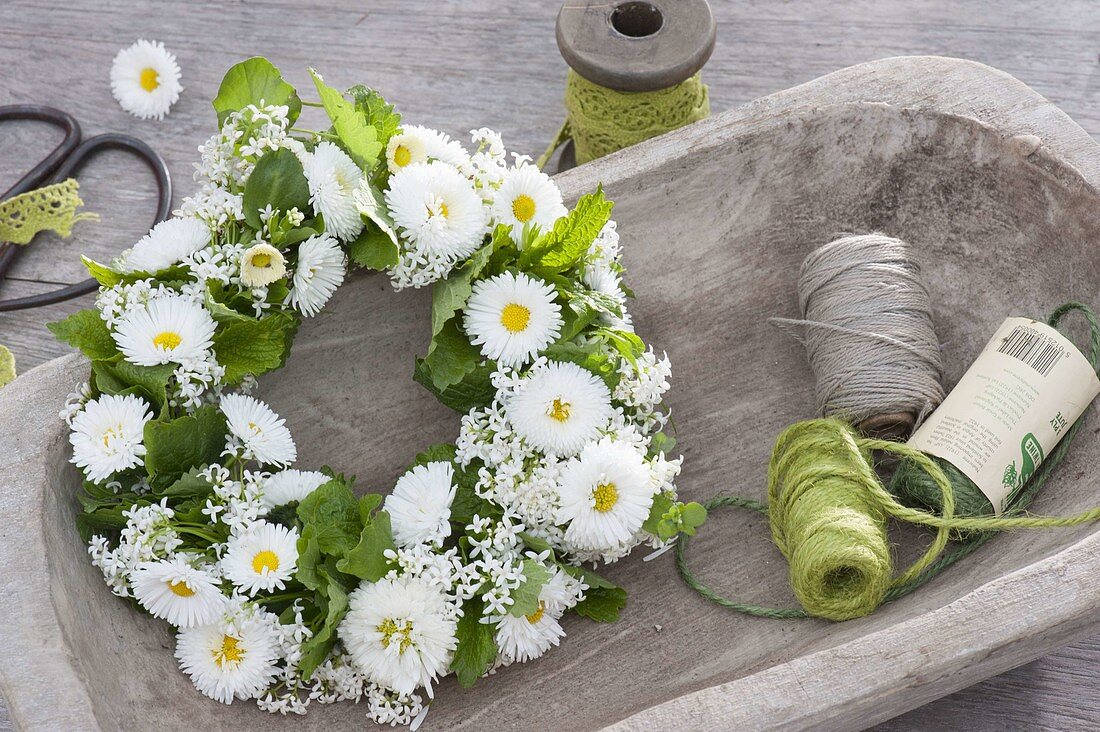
994	188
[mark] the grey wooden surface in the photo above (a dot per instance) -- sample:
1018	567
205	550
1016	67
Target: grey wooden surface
458	65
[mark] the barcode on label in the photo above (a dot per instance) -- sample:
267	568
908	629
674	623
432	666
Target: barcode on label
1033	348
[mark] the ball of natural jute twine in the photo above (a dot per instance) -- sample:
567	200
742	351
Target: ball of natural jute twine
867	329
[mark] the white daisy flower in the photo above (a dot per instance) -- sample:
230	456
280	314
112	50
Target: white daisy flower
399	633
262	558
559	407
176	591
171	328
230	658
291	485
528	637
320	270
262	264
108	435
167	243
512	317
527	196
145	79
437	209
261	432
416	144
606	495
333	177
420	505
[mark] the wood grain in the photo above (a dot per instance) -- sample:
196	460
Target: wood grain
458	65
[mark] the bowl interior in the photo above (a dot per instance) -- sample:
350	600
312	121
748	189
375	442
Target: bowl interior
713	243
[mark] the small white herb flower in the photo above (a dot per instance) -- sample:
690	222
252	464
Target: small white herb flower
606	495
437	209
420	505
291	485
399	633
145	79
175	590
167	243
108	435
559	407
333	178
262	264
262	558
235	657
320	270
512	317
261	432
527	196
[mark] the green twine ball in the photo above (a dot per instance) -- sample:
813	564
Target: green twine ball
915	487
825	520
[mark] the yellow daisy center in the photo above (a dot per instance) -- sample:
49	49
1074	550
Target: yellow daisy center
261	259
255	428
181	589
537	615
167	340
265	560
559	410
402	156
149	79
229	651
514	317
112	433
606	495
523	208
389	628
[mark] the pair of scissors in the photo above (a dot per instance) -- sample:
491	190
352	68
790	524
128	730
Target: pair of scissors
63	162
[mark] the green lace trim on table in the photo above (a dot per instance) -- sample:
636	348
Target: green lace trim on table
51	208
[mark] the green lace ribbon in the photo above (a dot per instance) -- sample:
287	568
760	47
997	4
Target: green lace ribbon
51	208
601	120
7	366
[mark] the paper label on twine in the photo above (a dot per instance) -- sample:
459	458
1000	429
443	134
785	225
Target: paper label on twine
1010	409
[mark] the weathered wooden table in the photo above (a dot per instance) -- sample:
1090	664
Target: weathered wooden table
457	65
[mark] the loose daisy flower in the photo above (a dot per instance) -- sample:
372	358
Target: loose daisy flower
171	328
320	270
416	144
167	243
145	79
333	178
420	505
291	485
261	559
230	659
398	633
261	432
527	196
437	209
526	638
178	592
512	317
262	264
108	435
559	407
606	495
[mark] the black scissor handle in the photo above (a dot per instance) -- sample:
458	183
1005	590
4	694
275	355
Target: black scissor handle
71	164
45	167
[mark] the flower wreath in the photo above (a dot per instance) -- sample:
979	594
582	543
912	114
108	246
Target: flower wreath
286	587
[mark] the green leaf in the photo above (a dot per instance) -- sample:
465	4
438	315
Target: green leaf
662	502
661	442
587	357
332	512
116	375
450	295
525	598
309	560
318	647
374	249
377	112
574	234
467	502
86	330
254	346
477	646
175	446
535	543
693	514
359	138
189	485
366	560
444	453
277	181
254	81
451	356
475	390
628	344
103	274
602	601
